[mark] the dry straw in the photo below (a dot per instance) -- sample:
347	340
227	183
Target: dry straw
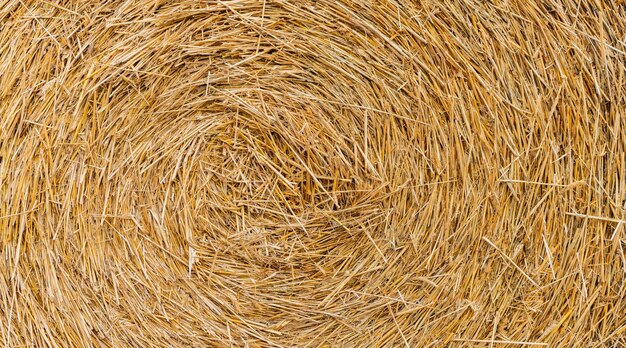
277	173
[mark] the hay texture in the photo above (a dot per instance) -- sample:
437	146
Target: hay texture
276	173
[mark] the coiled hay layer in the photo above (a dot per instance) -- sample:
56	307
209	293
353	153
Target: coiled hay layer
327	173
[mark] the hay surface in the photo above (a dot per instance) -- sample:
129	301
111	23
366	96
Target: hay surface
312	173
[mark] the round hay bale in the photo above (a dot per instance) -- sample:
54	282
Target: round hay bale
279	173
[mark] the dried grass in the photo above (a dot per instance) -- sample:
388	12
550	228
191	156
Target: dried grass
312	173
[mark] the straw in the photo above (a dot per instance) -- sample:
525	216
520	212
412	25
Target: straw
348	173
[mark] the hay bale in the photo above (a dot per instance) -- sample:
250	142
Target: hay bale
312	173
